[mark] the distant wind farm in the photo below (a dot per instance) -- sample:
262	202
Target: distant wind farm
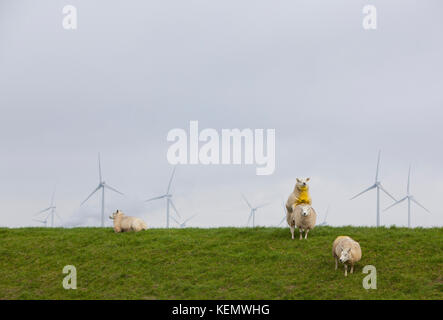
49	216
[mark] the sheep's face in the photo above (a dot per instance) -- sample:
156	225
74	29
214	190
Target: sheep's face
305	211
302	184
116	214
345	255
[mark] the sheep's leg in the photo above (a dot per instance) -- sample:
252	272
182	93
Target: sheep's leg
346	270
292	232
306	234
301	233
336	263
352	268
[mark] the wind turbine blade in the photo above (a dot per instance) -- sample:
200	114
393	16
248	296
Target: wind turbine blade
420	205
263	205
99	169
284	216
175	220
175	209
326	214
156	198
41	221
249	219
409	178
246	200
366	190
378	166
113	189
170	180
384	190
395	203
60	218
189	218
44	210
96	189
47	216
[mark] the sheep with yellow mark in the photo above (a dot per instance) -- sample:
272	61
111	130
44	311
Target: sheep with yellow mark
300	195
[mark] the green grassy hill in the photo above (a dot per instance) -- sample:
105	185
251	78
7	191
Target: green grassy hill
223	263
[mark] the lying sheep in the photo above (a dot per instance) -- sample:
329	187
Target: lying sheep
123	223
346	250
303	217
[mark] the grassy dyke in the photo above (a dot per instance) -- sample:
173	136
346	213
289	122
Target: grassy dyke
221	263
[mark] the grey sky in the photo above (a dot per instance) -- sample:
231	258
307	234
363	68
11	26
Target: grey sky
133	70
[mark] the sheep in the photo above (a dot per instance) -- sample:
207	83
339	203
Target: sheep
300	195
123	223
346	250
303	217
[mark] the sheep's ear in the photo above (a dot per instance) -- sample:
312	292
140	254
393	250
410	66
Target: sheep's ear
298	180
307	179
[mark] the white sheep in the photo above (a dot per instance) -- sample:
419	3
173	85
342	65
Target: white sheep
346	250
123	223
303	216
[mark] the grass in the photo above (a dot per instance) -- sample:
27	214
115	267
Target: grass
222	263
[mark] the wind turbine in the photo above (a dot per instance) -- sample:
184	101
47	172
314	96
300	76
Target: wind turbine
168	197
324	223
51	212
253	210
377	185
284	217
183	224
410	198
101	185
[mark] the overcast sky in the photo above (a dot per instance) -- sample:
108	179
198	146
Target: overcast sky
133	70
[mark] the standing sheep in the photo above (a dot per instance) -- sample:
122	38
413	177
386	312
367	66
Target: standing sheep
123	223
300	195
303	217
346	250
